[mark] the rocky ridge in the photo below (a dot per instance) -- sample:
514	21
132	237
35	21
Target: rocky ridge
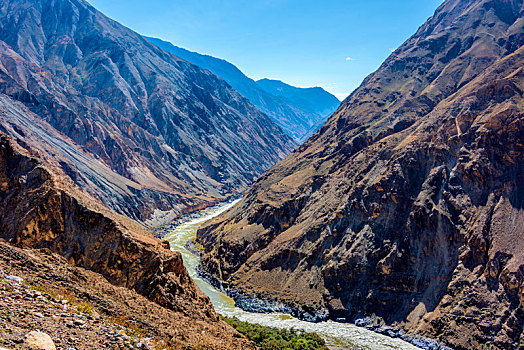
408	203
44	209
142	130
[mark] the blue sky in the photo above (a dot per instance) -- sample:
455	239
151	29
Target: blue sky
330	43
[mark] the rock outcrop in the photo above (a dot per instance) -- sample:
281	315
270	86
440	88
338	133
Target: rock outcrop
408	203
51	218
42	209
139	128
80	309
39	341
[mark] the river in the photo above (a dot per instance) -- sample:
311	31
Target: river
335	334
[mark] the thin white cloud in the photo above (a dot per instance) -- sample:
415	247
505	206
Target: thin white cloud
350	59
341	96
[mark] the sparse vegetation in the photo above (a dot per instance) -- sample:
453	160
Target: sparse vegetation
57	295
268	338
6	285
85	308
54	294
197	245
130	328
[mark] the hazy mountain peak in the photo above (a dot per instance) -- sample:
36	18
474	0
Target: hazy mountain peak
299	113
315	99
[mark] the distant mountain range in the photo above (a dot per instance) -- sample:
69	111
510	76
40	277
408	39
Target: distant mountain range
298	111
313	99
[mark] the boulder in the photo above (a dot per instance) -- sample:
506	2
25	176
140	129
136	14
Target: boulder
39	341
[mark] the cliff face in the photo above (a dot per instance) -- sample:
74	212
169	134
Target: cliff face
298	111
154	130
44	210
408	203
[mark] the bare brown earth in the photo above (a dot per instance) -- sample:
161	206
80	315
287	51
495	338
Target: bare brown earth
97	256
82	310
147	133
408	203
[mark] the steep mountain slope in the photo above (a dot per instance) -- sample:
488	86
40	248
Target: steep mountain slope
155	131
43	209
409	202
313	99
294	115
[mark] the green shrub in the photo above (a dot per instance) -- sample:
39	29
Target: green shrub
268	338
85	308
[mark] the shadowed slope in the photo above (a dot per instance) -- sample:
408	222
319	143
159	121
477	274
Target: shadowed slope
408	203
